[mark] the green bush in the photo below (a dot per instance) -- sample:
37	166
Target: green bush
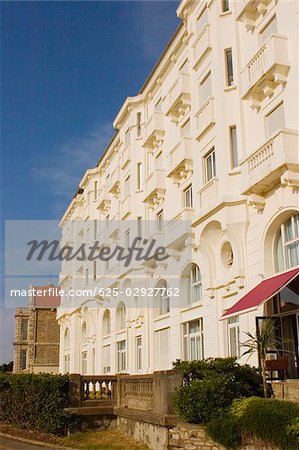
36	402
226	430
211	385
274	421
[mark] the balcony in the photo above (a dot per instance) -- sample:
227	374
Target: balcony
205	118
126	206
181	160
248	11
104	200
179	98
155	131
179	229
201	45
272	164
115	182
266	70
126	155
208	194
155	188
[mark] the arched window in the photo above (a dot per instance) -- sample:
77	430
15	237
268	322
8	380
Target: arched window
163	301
121	316
106	323
287	244
67	339
83	333
192	284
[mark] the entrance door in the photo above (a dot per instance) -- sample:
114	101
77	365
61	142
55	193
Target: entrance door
290	344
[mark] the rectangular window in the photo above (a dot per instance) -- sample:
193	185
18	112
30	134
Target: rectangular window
205	89
24	359
84	363
95	229
139	227
138	125
186	129
121	356
210	165
127	239
225	5
185	67
193	340
139	353
94	270
275	120
188	197
229	67
162	349
66	363
268	30
95	190
202	20
127	136
139	176
24	329
160	221
233	146
234	337
127	186
106	359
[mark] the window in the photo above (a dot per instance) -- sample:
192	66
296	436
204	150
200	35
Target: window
121	317
67	339
66	363
139	227
106	359
162	347
139	176
84	362
233	146
139	353
287	244
24	329
192	284
163	298
185	130
121	356
86	277
83	333
94	270
127	186
106	323
229	67
24	359
160	220
225	5
205	89
268	30
193	340
185	67
188	197
127	239
138	124
127	136
95	192
202	20
158	105
275	120
210	165
234	337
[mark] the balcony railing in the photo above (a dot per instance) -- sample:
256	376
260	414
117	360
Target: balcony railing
264	167
179	97
201	45
155	130
180	159
126	155
208	194
137	392
126	206
155	187
205	117
267	69
179	228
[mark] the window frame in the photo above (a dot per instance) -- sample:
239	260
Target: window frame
206	157
233	323
121	356
189	337
188	195
229	67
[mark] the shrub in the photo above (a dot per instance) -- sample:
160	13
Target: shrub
212	385
36	401
226	430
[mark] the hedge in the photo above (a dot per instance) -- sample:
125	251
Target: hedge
211	385
273	421
36	402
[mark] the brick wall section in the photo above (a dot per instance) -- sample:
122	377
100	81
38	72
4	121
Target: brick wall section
194	437
42	344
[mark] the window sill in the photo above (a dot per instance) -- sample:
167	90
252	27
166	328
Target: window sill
191	306
230	88
161	317
235	171
225	13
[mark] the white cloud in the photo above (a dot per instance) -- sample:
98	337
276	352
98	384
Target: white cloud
62	171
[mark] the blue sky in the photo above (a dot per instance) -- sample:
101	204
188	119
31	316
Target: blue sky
66	69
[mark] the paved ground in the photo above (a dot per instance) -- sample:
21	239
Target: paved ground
11	444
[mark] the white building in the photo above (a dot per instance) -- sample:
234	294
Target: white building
211	139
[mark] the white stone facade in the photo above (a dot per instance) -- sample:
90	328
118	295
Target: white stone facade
219	113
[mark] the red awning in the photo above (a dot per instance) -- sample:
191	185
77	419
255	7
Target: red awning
263	292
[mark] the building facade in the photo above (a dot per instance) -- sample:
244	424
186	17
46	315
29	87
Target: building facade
36	344
205	159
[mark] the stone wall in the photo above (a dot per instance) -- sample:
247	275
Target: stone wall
286	390
154	436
